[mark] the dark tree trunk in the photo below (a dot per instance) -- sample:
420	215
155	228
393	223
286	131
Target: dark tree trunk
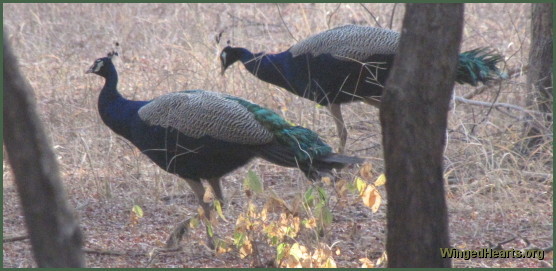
539	77
55	236
413	116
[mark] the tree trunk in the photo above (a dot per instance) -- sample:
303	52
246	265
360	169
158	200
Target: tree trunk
55	236
539	77
414	115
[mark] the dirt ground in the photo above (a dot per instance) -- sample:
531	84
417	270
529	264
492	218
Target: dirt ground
495	192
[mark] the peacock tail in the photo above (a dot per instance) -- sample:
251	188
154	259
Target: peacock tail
478	65
305	143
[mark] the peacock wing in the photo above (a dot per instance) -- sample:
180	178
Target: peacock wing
198	113
349	41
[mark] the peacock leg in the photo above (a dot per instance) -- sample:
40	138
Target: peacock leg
336	111
181	228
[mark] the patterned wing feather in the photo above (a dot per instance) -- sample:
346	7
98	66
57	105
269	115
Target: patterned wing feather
199	113
349	41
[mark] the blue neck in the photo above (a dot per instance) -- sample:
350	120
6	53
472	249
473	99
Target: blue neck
271	68
116	111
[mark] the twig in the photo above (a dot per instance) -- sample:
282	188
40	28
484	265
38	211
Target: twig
511	74
153	254
372	15
392	16
16	238
246	22
332	14
460	100
112	252
499	245
284	22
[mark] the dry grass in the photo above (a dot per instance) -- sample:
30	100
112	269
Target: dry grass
494	192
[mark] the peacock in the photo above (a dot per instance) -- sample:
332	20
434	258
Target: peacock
198	134
345	64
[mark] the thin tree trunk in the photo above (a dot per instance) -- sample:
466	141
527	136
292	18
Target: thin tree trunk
539	76
53	230
413	115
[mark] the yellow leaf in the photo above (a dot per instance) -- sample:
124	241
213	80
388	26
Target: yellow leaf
246	249
366	171
310	223
298	251
381	180
326	180
201	212
137	211
263	214
366	263
221	246
329	263
361	185
252	209
218	208
371	198
291	262
382	259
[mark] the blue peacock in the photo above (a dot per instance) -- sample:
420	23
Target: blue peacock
345	64
199	134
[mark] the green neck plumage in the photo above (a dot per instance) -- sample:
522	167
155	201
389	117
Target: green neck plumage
305	143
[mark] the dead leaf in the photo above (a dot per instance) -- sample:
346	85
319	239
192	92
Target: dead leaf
366	171
371	198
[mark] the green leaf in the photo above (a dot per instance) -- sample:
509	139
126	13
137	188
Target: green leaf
274	240
210	232
218	208
308	197
194	222
323	196
137	211
238	239
253	182
280	251
360	184
325	215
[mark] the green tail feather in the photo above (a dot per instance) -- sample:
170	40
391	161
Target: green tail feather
478	65
305	143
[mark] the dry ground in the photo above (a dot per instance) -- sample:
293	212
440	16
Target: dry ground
494	192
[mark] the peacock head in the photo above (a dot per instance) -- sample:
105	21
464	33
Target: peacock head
228	56
101	65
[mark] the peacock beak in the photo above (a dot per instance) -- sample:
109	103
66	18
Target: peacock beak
90	70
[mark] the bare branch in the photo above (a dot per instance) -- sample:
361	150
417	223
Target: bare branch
462	100
370	13
391	24
514	73
284	22
16	238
